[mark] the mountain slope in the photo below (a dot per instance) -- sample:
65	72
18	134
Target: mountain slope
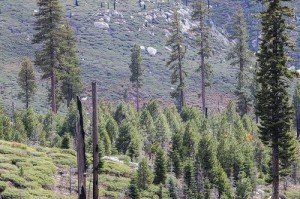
105	38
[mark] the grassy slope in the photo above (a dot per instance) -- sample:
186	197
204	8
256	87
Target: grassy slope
46	174
105	54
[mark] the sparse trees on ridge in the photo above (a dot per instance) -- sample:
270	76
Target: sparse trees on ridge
175	62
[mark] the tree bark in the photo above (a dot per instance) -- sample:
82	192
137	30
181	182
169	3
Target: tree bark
27	89
275	169
53	92
95	143
81	158
182	102
202	64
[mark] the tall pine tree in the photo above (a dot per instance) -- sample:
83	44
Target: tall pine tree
203	35
47	25
136	69
240	56
273	105
175	62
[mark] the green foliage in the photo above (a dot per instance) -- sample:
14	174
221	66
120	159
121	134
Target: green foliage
243	187
66	141
104	137
3	186
240	56
30	122
296	106
207	155
26	80
116	169
47	25
112	129
175	62
200	15
137	71
190	190
176	163
144	174
71	85
207	189
163	133
147	130
125	136
134	192
273	105
172	189
136	68
160	168
190	140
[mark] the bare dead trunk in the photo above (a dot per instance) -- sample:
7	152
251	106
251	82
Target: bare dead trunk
81	158
95	143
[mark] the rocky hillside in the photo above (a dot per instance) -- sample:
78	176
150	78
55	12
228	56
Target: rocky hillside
105	37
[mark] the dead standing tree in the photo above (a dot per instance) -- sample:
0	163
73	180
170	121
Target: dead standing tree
95	143
81	157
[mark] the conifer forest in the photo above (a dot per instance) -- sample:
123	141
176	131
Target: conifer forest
157	99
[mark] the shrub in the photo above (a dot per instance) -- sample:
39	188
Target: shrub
3	186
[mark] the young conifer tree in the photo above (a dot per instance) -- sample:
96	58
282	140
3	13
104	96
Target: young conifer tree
175	62
240	56
136	69
203	35
47	25
134	191
71	85
26	80
145	177
273	105
160	168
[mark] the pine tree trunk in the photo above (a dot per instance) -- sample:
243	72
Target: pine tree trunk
202	64
275	169
242	98
53	92
27	90
298	119
137	92
137	99
203	81
182	102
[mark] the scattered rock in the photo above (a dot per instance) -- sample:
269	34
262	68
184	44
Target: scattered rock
143	48
167	48
106	19
152	51
102	25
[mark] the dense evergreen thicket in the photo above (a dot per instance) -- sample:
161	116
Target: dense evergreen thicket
219	155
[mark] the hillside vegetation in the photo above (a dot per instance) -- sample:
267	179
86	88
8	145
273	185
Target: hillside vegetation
103	39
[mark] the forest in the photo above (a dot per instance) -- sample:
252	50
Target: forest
81	144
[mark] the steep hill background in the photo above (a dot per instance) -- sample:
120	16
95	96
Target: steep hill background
105	37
